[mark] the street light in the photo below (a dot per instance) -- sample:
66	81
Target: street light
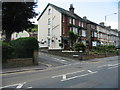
108	15
106	20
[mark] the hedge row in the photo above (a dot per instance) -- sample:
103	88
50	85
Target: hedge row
19	48
105	48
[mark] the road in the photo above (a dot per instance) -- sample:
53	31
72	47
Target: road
97	73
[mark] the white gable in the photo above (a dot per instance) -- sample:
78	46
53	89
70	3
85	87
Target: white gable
51	21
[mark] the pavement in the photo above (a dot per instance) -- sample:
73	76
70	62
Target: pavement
40	66
45	61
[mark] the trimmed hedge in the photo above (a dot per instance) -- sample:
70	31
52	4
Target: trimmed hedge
24	47
19	48
7	51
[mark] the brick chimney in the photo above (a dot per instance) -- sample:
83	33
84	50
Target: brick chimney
102	23
85	17
71	9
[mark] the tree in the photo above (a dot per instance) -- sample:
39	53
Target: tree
72	37
79	46
33	29
16	17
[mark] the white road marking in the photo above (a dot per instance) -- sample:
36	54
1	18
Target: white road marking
20	85
109	65
62	60
8	86
29	87
67	74
113	67
90	71
78	76
102	66
12	85
112	64
64	77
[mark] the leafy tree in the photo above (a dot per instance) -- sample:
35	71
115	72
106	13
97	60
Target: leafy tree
79	46
34	29
16	17
73	37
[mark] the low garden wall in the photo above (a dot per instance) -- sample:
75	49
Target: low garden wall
20	62
76	55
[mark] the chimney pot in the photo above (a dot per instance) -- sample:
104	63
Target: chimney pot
102	23
71	9
85	17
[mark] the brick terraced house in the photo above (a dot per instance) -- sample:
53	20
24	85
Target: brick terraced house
54	23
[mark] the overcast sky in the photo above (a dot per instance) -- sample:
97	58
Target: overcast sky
94	10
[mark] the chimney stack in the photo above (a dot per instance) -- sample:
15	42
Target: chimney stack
71	9
102	24
85	17
109	27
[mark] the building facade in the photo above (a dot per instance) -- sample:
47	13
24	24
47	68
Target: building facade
54	25
107	36
16	35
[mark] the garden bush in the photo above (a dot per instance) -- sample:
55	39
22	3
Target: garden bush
24	47
104	48
7	51
79	46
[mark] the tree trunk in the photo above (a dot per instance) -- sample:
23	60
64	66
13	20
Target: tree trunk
8	36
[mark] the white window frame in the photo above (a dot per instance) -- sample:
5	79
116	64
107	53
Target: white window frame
83	33
49	11
49	21
92	26
48	31
73	21
79	23
84	42
63	30
82	24
70	28
70	20
75	30
48	42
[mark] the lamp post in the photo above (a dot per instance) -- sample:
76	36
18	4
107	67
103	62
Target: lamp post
106	21
108	15
106	29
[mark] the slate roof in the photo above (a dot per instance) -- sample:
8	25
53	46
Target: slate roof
68	13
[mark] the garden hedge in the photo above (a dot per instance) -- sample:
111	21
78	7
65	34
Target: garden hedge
7	51
19	48
24	47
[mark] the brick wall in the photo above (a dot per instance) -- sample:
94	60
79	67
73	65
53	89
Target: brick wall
20	62
85	56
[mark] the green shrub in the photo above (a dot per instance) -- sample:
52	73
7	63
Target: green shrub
104	48
24	47
7	51
79	46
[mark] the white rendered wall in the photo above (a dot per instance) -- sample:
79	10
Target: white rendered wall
55	29
16	35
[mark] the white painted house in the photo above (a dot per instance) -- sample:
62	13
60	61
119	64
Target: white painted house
49	28
16	35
